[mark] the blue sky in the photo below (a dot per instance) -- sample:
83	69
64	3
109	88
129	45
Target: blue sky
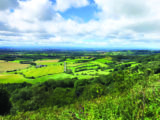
80	23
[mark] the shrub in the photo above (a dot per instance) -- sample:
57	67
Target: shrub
62	96
82	82
93	91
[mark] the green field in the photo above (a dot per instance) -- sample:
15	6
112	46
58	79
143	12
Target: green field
81	68
37	72
12	78
59	76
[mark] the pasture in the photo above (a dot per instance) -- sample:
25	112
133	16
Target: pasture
48	69
10	66
38	72
45	69
47	62
59	76
12	78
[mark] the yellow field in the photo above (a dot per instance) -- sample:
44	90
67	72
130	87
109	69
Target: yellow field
11	78
2	61
46	62
36	72
74	64
8	66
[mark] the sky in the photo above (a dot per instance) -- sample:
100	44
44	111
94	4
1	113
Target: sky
109	24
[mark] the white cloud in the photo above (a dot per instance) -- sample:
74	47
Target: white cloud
120	23
35	10
29	15
123	8
62	5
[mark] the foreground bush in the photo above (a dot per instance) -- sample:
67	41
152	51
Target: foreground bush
5	104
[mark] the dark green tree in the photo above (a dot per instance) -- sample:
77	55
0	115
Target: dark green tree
5	104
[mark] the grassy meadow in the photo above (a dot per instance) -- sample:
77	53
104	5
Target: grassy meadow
47	62
53	69
38	72
10	66
12	78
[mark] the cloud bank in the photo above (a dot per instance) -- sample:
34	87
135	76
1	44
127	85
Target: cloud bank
116	24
